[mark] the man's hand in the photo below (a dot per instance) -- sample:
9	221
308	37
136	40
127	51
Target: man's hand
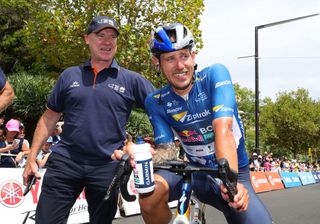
31	169
118	153
241	199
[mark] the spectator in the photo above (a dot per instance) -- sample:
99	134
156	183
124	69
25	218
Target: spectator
259	163
57	132
2	130
253	162
13	145
95	99
180	151
44	153
6	92
267	164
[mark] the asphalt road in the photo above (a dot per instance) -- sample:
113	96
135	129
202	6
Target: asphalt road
299	205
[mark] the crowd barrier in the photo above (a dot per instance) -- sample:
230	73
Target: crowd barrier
17	209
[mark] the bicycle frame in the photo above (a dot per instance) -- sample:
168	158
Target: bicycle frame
184	213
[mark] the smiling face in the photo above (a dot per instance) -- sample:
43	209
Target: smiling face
178	68
102	46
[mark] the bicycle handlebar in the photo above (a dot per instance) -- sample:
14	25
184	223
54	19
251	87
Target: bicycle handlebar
228	176
121	178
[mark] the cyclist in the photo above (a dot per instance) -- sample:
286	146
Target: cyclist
200	108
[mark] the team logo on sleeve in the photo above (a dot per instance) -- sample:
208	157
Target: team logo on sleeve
221	107
217	108
223	83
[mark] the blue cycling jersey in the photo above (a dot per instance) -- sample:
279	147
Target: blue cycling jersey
190	118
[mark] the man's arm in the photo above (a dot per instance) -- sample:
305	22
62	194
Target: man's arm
45	127
225	145
6	96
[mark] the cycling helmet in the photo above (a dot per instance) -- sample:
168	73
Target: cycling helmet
171	37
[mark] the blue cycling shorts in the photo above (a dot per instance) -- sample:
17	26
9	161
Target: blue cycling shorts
207	190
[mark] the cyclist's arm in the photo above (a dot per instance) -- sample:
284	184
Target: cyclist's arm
223	106
164	152
225	145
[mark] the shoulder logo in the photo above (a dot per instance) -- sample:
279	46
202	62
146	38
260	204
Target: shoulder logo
217	108
223	83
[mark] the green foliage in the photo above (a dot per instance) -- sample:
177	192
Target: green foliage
246	106
292	122
13	51
55	30
139	124
31	93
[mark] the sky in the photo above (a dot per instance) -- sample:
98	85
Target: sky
289	53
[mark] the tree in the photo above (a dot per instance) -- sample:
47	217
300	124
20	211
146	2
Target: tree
55	30
245	99
13	51
292	122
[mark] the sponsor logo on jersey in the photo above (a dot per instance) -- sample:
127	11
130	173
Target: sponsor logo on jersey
157	96
222	108
190	136
197	138
186	133
196	116
201	97
175	110
180	117
223	83
117	88
159	137
198	78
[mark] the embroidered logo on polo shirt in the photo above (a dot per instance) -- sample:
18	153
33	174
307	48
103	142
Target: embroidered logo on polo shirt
75	84
117	88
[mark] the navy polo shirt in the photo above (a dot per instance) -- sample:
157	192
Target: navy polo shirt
95	111
2	80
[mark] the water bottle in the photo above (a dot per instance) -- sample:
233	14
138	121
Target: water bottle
143	171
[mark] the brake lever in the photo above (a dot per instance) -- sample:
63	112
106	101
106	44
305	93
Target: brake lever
228	177
31	182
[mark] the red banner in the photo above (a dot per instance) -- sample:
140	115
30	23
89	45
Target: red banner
259	182
274	180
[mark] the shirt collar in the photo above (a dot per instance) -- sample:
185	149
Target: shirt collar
113	65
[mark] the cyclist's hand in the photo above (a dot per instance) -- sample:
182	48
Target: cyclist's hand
241	199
